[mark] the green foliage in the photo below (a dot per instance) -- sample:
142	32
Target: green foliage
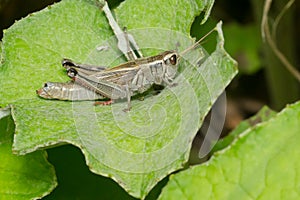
76	181
245	46
136	149
22	177
244	43
263	115
262	163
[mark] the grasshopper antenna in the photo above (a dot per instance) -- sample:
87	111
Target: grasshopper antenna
198	42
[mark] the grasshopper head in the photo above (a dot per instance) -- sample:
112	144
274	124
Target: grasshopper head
171	63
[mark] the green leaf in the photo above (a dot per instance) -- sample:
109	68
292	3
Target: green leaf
22	177
4	112
173	15
1	53
136	149
263	115
34	47
76	181
263	163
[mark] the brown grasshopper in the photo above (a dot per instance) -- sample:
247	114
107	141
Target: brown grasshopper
119	82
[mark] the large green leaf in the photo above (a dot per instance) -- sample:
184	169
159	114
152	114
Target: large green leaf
263	115
22	177
263	163
139	148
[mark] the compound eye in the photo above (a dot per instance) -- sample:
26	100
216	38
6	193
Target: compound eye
173	59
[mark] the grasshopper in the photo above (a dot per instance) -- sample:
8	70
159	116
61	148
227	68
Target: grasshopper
119	82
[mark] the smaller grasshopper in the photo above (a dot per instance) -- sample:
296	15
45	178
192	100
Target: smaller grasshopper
122	81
